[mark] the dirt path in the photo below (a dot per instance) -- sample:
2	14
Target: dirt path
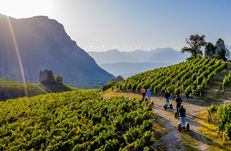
172	141
170	138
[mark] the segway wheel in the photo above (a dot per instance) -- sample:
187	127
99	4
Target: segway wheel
165	107
179	126
175	114
146	104
187	126
171	106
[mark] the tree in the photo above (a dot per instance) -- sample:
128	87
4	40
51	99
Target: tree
59	79
209	50
195	42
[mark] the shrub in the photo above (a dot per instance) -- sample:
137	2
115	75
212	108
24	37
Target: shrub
211	112
59	79
171	89
188	91
177	91
108	85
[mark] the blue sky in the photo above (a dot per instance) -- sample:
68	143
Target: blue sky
99	25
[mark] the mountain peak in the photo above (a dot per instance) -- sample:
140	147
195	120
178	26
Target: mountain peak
44	44
113	50
159	55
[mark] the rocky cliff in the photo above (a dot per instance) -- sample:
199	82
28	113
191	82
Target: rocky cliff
33	44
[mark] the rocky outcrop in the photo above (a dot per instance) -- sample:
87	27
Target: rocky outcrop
220	47
42	43
118	79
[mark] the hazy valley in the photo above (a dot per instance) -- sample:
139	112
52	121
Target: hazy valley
130	63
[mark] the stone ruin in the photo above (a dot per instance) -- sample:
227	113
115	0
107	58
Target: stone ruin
220	47
46	77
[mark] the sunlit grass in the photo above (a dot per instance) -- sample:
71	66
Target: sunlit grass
210	131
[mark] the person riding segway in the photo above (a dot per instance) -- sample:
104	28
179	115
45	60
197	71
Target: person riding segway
167	105
143	93
182	123
178	103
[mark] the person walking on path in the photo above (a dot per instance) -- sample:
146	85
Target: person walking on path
166	95
143	92
182	113
149	95
178	102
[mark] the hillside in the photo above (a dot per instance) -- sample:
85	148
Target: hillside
78	120
119	119
11	90
208	105
190	78
33	44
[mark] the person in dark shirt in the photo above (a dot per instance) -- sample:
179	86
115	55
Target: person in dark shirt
178	102
182	113
166	95
143	92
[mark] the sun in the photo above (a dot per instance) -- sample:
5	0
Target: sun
26	8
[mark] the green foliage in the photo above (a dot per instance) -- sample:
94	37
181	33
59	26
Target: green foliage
177	91
188	91
10	89
195	42
223	53
171	89
210	48
226	80
211	112
59	79
176	78
108	85
77	120
222	116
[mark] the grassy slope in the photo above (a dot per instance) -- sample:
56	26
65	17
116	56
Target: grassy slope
11	90
56	88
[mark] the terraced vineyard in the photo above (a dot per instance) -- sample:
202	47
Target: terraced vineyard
190	77
78	120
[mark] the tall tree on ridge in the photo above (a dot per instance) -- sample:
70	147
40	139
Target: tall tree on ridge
195	42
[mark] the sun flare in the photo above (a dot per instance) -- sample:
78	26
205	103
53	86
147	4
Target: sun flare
26	8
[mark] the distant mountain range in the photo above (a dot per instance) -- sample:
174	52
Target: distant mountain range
126	69
130	63
159	55
42	43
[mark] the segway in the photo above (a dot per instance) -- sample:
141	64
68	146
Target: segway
165	107
146	102
176	115
183	128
